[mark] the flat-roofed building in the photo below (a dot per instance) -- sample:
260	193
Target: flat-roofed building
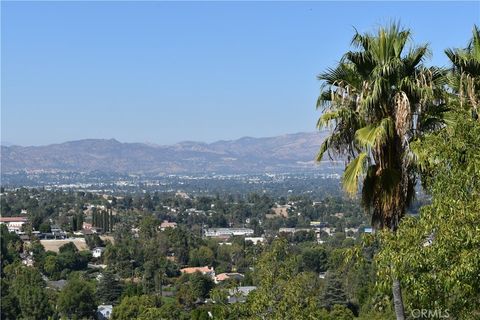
228	232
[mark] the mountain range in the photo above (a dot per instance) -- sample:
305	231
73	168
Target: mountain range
290	152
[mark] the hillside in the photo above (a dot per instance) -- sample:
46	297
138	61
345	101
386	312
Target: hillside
244	155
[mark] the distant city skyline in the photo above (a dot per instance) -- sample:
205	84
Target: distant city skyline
165	72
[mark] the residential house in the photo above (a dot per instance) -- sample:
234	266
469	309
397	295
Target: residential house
86	226
14	224
228	276
239	294
57	232
97	252
27	259
203	270
339	215
166	224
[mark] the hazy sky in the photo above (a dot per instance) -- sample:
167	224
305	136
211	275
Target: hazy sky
164	72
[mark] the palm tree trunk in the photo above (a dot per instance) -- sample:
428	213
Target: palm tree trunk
397	299
396	287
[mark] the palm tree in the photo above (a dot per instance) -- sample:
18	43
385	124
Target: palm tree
465	72
377	100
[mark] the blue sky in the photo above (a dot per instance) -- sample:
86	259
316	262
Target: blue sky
164	72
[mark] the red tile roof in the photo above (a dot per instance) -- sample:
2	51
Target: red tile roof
13	219
195	269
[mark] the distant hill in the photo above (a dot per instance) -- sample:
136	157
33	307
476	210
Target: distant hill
288	152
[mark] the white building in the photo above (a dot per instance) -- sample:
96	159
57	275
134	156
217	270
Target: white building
97	252
228	232
14	224
293	230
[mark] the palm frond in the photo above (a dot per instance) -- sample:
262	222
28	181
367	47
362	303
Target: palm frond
361	41
323	148
368	188
324	99
414	57
375	134
327	118
355	169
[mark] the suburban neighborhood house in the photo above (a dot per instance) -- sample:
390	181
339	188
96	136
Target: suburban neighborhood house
86	226
166	224
97	252
14	224
239	294
227	276
203	270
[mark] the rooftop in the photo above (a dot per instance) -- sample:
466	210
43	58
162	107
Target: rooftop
13	219
205	269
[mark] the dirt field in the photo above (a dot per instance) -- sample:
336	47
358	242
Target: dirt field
54	245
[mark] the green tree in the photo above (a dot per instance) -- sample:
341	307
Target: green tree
133	307
203	256
437	254
152	277
77	299
340	312
45	227
378	99
465	73
28	290
10	308
39	254
94	241
314	259
333	293
11	245
70	259
153	314
51	267
193	287
68	248
109	289
167	311
282	292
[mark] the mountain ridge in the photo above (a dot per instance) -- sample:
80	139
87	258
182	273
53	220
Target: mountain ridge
247	154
